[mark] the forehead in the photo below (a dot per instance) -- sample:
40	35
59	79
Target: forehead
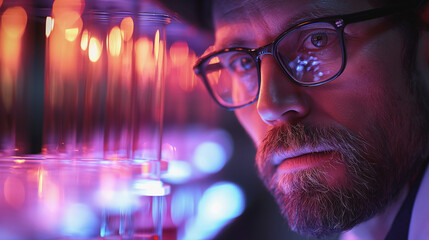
251	23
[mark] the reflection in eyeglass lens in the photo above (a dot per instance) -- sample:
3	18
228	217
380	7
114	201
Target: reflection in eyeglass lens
232	77
312	53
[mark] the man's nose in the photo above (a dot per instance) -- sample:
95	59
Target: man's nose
280	99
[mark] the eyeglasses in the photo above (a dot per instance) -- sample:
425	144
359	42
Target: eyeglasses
311	53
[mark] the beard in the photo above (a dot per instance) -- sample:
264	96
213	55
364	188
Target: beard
317	204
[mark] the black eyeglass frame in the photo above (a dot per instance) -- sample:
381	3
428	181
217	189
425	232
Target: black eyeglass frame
339	22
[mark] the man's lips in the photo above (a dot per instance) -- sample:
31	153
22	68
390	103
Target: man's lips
281	156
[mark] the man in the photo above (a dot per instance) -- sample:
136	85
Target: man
335	99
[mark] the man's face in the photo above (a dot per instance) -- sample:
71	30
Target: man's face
336	154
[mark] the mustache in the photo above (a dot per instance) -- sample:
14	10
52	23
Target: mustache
292	138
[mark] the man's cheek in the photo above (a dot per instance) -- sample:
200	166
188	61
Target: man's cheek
252	123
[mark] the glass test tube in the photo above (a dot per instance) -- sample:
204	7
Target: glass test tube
104	102
148	114
63	79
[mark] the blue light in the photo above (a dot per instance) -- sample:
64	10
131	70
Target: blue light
150	187
178	172
115	198
222	201
182	205
209	157
219	204
79	221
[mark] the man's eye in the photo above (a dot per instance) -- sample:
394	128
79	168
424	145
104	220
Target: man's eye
319	40
242	64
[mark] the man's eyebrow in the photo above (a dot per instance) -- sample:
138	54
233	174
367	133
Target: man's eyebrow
317	12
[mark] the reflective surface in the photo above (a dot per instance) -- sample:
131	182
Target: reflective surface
46	199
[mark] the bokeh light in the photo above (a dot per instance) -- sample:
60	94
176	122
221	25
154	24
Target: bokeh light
14	191
49	26
219	204
178	172
209	157
183	205
115	41
14	22
19	161
84	40
79	221
222	201
156	45
144	58
179	52
95	48
127	28
71	34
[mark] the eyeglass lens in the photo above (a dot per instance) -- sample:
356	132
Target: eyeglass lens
310	54
233	78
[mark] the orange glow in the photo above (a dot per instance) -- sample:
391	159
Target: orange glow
179	52
63	57
14	192
1	2
63	74
67	14
13	24
145	169
40	188
143	47
214	60
19	161
94	50
59	7
49	26
71	34
127	28
14	21
214	76
84	41
71	24
144	58
182	59
115	41
68	19
191	80
156	45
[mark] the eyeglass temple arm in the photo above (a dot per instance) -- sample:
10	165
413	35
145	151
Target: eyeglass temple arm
209	68
376	13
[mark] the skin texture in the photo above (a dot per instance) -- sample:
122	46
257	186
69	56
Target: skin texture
344	150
